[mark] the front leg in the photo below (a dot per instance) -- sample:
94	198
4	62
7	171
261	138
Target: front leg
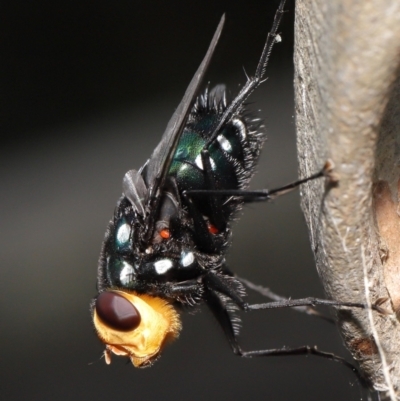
218	308
224	284
188	292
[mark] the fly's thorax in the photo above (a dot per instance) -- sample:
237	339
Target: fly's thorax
134	325
159	264
170	256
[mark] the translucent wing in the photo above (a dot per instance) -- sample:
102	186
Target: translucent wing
158	165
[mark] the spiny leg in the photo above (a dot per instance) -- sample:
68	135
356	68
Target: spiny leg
218	309
266	292
266	194
292	303
305	350
219	283
252	82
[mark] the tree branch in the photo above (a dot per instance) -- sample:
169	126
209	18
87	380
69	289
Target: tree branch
347	96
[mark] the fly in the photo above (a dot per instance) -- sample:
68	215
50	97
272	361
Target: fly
165	247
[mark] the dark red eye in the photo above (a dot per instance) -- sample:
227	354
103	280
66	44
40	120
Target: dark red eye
117	312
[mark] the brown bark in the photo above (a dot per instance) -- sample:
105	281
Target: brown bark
347	86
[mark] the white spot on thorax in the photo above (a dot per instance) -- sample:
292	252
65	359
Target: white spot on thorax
187	259
123	233
126	274
163	266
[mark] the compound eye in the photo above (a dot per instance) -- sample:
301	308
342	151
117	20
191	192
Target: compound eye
117	312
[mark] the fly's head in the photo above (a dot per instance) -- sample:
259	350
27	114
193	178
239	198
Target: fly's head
134	313
134	325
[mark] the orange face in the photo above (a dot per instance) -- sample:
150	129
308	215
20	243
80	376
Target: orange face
133	325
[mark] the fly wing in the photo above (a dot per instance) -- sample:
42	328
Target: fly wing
135	190
158	165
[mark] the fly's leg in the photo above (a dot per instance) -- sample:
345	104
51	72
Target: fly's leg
293	303
204	238
218	308
219	283
266	194
251	84
215	201
266	292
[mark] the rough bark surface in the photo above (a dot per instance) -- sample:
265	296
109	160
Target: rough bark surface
347	87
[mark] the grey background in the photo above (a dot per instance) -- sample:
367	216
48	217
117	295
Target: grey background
87	90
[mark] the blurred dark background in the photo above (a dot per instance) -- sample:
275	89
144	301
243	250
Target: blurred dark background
87	89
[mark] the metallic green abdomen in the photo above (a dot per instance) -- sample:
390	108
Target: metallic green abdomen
226	155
